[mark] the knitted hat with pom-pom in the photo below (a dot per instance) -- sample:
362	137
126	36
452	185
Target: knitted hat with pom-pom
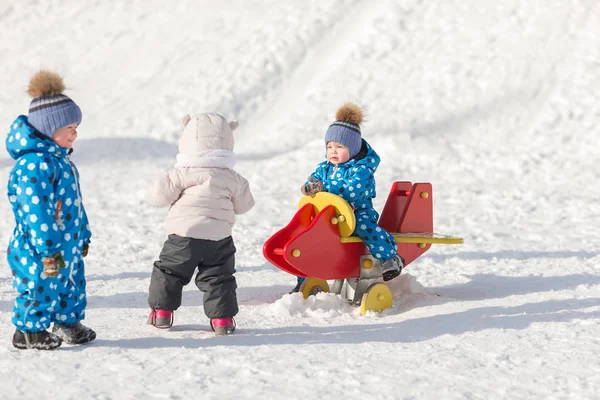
346	128
50	109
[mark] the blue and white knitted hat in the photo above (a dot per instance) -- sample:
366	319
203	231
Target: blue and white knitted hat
346	128
50	109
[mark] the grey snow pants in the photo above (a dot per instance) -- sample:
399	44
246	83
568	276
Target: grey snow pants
179	259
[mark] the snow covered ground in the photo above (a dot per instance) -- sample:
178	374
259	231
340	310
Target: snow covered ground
497	104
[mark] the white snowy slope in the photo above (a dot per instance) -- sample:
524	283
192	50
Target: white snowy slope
497	104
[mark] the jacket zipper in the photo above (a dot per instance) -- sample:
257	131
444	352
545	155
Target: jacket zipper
334	171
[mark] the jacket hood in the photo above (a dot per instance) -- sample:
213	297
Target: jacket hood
207	131
366	156
24	138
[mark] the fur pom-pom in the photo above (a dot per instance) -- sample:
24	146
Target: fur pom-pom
45	83
349	112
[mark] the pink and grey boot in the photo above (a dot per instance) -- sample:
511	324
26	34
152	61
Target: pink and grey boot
222	326
161	319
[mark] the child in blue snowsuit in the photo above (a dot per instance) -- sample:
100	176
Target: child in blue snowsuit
349	173
51	234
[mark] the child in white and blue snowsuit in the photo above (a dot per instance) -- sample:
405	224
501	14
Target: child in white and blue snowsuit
349	172
51	234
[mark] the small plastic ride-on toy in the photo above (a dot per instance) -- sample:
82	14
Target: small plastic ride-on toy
317	243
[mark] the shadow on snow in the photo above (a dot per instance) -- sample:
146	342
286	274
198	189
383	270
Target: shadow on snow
408	331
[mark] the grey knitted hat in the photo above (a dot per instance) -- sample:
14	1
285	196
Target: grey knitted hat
346	128
50	109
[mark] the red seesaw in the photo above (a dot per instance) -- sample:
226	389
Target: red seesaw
317	243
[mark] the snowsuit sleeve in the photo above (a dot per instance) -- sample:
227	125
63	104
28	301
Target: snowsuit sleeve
242	199
35	198
320	173
87	233
357	186
167	189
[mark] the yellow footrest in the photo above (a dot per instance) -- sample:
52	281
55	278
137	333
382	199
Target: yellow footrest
434	238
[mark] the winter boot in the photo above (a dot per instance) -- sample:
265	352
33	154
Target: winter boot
42	340
76	333
392	268
161	319
296	289
222	326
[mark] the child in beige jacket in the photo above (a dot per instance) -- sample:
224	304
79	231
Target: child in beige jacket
204	194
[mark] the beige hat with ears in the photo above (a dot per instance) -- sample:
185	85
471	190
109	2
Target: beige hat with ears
207	131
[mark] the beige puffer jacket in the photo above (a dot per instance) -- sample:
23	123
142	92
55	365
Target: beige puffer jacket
203	190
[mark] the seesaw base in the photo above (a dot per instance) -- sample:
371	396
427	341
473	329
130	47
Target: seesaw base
364	291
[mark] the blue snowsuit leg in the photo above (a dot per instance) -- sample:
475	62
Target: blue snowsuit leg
42	300
379	242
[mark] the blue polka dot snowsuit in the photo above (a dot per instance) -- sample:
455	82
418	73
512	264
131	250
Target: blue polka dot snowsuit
354	181
42	178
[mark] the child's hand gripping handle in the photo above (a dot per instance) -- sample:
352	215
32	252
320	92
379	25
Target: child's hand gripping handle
312	186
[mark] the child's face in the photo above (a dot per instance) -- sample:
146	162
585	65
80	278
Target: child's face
65	137
337	153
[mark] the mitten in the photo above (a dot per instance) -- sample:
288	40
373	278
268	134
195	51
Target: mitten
313	186
52	264
84	250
